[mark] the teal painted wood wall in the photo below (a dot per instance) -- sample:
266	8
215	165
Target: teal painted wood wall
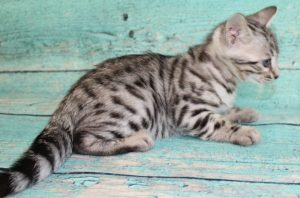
56	35
45	46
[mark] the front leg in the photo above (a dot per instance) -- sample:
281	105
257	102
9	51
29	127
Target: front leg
208	125
238	115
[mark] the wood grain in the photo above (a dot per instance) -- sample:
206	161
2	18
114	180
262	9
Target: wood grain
56	35
94	185
275	159
45	46
270	168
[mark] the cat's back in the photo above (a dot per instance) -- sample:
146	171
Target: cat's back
132	64
136	79
130	87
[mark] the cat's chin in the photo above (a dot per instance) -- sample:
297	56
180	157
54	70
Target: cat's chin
265	82
254	81
260	81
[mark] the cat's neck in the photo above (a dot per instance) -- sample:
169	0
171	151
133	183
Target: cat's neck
208	54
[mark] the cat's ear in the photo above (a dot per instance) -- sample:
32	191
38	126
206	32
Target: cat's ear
236	29
264	16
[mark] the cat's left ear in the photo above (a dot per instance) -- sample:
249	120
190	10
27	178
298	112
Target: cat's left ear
264	16
237	30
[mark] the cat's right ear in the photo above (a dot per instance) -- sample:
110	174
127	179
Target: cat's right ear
264	16
237	30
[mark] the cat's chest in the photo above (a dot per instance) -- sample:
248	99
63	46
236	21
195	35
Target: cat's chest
227	98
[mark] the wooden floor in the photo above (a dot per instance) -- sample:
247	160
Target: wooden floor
45	48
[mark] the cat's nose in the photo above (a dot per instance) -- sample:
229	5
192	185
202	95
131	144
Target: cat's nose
275	73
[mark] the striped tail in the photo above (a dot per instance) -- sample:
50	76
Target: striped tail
48	152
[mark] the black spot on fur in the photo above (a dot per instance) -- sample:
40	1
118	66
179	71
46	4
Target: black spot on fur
172	70
145	124
235	128
161	69
148	113
5	189
151	83
117	72
117	134
116	115
28	166
141	83
52	140
204	57
198	75
108	78
186	97
111	123
182	74
44	149
78	137
197	112
176	99
182	113
98	105
217	125
99	80
80	107
117	100
134	92
197	124
67	140
205	121
192	55
88	91
128	69
134	126
99	112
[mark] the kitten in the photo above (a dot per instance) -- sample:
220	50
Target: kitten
126	103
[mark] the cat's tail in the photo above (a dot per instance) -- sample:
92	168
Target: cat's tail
48	151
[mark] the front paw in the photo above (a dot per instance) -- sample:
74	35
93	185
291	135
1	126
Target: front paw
245	136
245	115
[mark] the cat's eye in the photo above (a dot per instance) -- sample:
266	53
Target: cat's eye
241	62
267	63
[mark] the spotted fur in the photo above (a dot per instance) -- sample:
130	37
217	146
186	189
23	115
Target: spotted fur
125	103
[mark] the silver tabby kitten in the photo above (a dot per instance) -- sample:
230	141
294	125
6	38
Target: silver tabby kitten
126	103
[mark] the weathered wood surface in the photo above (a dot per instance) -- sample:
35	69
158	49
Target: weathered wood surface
62	35
171	169
45	46
101	185
275	159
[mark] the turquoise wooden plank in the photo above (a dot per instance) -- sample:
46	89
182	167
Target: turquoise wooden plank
74	35
278	102
62	35
93	185
275	159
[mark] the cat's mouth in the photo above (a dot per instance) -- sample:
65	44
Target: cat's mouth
266	80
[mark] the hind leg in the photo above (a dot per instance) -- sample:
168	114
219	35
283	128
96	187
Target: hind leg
91	144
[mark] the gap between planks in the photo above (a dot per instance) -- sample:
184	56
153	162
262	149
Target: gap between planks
167	177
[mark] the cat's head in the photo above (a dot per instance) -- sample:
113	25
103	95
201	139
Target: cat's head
250	45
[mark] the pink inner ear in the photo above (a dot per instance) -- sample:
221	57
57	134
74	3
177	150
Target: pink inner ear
234	32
